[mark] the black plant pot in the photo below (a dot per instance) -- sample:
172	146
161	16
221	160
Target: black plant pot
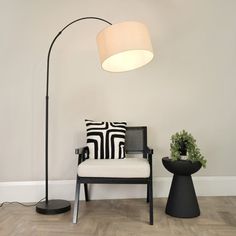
183	149
182	201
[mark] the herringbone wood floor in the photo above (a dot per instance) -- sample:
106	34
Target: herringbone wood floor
121	218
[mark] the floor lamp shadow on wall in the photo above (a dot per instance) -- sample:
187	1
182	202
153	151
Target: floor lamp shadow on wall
122	47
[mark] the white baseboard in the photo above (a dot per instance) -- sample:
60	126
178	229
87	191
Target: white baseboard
34	190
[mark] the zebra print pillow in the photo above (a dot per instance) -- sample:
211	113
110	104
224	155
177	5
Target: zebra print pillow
106	140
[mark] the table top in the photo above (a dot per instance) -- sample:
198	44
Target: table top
181	167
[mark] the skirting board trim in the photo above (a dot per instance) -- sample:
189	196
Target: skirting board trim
33	191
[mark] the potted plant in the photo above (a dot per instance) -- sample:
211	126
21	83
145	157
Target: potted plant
184	147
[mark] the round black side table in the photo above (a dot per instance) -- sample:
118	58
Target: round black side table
182	201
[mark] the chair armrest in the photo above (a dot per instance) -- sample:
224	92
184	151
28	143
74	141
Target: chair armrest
80	150
149	150
82	153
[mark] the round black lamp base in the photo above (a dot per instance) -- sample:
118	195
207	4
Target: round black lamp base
53	207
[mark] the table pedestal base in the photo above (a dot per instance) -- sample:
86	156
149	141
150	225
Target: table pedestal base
182	201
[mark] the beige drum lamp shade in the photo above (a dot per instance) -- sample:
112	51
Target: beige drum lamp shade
124	46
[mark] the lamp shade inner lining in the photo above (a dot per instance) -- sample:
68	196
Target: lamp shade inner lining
127	60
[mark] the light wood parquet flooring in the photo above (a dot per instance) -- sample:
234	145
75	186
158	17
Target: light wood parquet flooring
122	218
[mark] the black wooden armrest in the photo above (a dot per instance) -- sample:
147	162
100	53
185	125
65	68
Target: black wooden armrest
82	153
81	150
149	150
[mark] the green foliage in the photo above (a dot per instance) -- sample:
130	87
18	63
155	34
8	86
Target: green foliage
185	139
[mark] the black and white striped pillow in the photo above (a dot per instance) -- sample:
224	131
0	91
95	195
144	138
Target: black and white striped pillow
106	140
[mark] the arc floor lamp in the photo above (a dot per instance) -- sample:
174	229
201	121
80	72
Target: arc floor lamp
122	47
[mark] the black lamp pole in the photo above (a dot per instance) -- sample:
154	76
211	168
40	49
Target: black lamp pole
56	206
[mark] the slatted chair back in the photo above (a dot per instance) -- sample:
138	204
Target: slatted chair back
136	140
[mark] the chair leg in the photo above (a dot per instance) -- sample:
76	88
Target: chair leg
150	203
86	192
76	204
147	193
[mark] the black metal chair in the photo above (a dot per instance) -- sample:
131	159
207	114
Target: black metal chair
135	143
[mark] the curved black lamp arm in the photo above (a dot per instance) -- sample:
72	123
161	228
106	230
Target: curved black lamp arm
47	97
53	41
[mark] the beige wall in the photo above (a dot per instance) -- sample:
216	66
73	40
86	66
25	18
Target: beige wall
190	84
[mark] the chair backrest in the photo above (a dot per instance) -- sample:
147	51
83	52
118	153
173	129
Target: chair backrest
136	140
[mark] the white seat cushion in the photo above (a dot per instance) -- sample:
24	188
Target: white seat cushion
135	167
